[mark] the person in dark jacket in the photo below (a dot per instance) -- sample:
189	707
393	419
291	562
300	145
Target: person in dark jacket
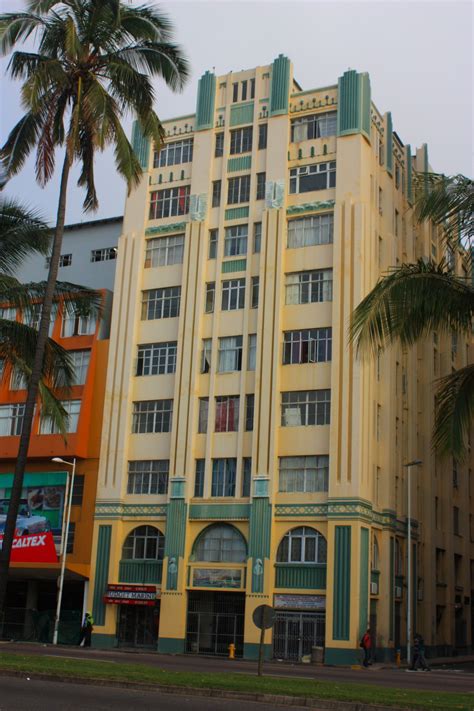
419	659
86	630
366	644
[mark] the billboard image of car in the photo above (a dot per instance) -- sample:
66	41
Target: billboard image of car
27	520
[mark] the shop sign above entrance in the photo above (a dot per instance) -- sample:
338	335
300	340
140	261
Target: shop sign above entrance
37	548
130	595
299	602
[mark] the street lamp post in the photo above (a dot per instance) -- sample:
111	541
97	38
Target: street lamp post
414	463
64	543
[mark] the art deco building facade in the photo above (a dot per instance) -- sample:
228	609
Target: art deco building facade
248	456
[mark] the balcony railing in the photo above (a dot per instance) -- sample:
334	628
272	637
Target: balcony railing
304	576
142	572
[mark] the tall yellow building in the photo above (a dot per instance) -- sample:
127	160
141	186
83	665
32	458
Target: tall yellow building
248	456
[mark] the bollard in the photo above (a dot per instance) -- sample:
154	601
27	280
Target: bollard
232	651
397	658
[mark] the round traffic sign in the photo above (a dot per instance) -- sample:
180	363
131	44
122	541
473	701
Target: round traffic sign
263	617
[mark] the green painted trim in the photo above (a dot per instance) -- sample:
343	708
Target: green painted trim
311	207
251	650
170	645
342	583
219	512
241	113
280	86
175	227
342	657
140	145
205	101
175	539
236	213
304	577
364	580
142	572
353	114
35	479
389	144
259	539
308	510
104	641
116	509
236	265
240	163
102	560
391	604
264	101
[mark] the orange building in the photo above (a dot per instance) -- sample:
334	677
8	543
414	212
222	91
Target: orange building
32	588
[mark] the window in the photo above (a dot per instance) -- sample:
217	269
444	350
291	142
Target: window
381	152
152	416
310	231
254	293
314	126
169	202
302	545
304	474
157	358
19	380
161	303
375	562
305	407
148	476
32	316
223	477
219	149
144	543
262	136
249	410
199	478
233	294
241	140
216	192
380	201
206	355
397	176
395	220
309	287
213	239
2	368
203	414
174	153
252	352
257	237
307	346
105	254
164	251
319	176
220	543
8	313
235	241
252	88
65	260
75	325
80	361
260	186
230	354
73	408
210	296
235	92
244	90
456	521
455	475
378	422
71	534
11	419
239	190
246	476
227	413
78	490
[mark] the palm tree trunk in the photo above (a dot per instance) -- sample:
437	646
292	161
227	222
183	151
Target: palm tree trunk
32	395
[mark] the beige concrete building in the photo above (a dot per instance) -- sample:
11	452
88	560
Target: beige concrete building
248	455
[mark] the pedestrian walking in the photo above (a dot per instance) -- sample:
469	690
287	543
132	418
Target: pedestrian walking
86	630
366	644
419	659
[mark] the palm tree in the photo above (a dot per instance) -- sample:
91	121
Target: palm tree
94	65
415	299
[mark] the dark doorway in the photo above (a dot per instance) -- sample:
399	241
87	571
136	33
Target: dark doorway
138	626
215	620
295	633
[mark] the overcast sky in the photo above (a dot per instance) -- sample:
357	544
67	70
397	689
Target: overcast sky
418	55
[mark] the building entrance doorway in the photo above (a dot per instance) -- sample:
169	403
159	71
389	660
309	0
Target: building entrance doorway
138	626
295	633
215	620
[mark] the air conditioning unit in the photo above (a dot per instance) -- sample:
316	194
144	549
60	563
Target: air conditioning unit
398	591
374	588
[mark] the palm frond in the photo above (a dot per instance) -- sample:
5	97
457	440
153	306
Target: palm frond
52	407
408	303
17	27
454	412
22	232
74	298
21	141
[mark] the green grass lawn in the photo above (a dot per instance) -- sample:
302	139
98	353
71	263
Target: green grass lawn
88	669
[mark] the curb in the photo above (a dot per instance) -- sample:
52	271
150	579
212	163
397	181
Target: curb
276	700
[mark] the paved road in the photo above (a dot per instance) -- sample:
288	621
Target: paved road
22	695
437	680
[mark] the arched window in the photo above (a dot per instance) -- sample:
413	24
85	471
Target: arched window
144	543
375	554
302	545
220	544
